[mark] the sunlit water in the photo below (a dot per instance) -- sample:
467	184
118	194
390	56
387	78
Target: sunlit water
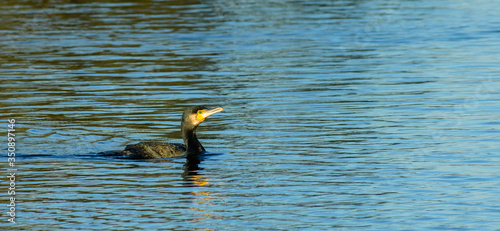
339	115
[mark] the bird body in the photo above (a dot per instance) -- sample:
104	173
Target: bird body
153	149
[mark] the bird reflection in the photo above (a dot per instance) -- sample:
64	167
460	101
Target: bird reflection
201	196
191	166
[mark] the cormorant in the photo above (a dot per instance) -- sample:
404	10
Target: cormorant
191	118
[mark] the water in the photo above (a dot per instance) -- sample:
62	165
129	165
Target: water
339	115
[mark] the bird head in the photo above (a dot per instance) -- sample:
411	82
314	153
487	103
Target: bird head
197	114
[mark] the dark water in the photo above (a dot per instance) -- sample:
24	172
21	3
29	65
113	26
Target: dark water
339	115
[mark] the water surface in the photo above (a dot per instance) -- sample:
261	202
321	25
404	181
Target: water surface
339	115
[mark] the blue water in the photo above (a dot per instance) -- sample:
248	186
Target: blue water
339	115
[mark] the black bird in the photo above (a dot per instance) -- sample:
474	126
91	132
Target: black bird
191	118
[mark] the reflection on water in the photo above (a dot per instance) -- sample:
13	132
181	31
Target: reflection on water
339	114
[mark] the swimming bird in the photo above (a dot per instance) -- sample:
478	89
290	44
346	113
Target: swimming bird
191	118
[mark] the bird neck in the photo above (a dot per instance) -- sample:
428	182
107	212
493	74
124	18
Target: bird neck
193	146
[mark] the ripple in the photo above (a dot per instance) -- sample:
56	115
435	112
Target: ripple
338	115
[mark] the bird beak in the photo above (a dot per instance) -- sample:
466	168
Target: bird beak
210	112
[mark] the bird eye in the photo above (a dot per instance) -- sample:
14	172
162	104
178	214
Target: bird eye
200	112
